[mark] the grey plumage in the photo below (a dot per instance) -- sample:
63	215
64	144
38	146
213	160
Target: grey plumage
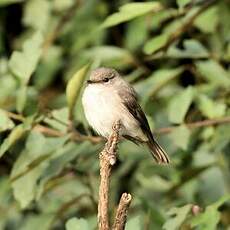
108	98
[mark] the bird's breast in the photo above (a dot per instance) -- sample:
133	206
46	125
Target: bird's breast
102	107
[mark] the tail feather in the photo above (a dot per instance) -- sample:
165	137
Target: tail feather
158	153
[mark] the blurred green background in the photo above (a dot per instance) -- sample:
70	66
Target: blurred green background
175	53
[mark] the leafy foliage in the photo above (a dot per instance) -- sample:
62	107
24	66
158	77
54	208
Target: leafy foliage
176	55
73	88
130	11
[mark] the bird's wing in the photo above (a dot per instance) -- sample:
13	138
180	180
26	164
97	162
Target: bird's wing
129	99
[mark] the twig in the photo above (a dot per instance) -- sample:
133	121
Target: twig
196	124
15	116
96	139
107	160
48	131
122	211
75	136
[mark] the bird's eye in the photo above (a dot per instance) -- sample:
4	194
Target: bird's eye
106	79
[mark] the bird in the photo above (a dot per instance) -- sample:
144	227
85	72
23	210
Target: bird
108	98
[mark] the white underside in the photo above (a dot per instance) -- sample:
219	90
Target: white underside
103	107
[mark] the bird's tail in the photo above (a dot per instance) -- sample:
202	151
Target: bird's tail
158	153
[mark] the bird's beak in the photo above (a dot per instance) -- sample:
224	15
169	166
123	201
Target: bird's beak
89	82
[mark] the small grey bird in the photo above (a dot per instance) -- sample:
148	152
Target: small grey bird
108	98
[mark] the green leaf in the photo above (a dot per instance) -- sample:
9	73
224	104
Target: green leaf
210	108
74	86
221	201
38	149
160	184
63	156
60	5
180	137
179	105
22	64
214	73
133	223
221	138
191	49
202	158
211	216
156	43
130	11
37	9
21	98
8	2
24	188
5	122
8	84
155	82
58	119
15	134
159	17
110	56
136	33
207	133
213	185
207	22
30	165
182	3
77	224
177	217
224	17
50	64
34	221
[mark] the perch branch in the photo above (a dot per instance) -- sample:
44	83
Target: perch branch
107	160
95	139
122	211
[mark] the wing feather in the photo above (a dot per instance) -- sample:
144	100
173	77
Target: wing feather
130	101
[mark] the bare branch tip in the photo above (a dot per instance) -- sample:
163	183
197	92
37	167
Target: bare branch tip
126	197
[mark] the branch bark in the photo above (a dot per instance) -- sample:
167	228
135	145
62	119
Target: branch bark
96	139
122	211
108	158
196	124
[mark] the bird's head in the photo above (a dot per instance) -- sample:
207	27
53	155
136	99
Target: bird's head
103	75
